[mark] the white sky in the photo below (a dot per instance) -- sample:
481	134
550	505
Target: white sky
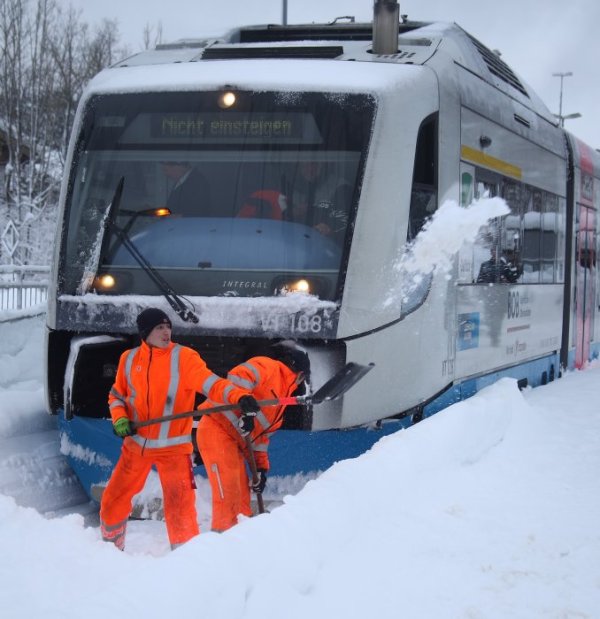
488	510
535	38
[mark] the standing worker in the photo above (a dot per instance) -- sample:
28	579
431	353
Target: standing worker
222	442
155	379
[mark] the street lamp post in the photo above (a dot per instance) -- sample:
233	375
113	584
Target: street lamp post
561	118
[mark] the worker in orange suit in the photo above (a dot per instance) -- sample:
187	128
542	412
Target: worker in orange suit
156	379
222	444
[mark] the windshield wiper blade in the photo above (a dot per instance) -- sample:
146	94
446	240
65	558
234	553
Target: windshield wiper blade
174	300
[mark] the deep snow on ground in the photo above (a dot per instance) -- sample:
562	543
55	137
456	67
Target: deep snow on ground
32	469
489	509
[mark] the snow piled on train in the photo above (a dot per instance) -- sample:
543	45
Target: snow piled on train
436	245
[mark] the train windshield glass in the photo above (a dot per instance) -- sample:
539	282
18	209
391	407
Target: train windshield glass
229	194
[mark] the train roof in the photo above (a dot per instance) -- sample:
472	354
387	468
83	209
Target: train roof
419	43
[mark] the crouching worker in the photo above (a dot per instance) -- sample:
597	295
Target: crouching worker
156	379
221	440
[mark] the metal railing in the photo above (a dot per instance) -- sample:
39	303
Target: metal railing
23	286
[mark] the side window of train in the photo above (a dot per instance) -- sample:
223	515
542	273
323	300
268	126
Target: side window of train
524	246
534	234
552	241
512	243
423	200
486	249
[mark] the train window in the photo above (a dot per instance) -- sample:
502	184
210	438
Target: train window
561	239
255	197
524	246
550	239
532	238
497	252
423	200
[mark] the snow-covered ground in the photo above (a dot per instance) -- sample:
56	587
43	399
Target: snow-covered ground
490	509
32	469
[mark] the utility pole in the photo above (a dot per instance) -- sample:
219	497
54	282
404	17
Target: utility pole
284	12
561	118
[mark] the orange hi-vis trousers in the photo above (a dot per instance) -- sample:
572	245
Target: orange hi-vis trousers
128	478
226	469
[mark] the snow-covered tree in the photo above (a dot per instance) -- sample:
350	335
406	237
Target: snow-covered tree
46	57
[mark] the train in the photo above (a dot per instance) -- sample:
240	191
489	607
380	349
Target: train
315	155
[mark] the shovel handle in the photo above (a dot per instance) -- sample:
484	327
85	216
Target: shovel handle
254	471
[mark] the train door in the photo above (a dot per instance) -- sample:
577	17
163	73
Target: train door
585	282
585	259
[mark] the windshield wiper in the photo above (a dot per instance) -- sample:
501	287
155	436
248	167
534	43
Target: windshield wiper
174	300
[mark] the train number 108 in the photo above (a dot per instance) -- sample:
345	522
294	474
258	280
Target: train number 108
294	324
303	323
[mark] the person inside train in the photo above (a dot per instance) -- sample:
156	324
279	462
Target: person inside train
503	268
190	191
264	204
280	371
319	199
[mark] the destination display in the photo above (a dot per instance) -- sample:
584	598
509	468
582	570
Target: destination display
218	127
241	125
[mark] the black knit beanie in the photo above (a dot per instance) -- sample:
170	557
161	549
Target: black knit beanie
296	359
150	318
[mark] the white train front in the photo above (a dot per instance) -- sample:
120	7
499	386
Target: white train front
384	138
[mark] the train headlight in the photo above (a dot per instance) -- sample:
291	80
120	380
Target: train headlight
105	282
227	99
296	284
300	285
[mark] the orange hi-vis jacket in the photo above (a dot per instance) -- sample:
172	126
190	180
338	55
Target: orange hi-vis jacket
154	382
266	379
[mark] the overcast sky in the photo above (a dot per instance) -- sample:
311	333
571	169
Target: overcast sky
536	38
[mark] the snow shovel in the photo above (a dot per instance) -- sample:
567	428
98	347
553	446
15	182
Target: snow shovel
254	471
333	389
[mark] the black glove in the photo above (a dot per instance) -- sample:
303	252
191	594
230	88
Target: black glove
249	408
248	404
259	486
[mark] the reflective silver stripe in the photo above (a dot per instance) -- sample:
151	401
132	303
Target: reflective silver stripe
132	393
241	382
112	527
116	394
226	392
260	447
233	419
116	403
215	469
161	442
260	417
208	383
254	371
171	392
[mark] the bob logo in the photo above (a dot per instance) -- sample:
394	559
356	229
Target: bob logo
513	304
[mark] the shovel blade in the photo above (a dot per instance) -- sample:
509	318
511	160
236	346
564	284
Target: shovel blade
338	384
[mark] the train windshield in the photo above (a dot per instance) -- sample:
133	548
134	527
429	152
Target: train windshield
223	193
